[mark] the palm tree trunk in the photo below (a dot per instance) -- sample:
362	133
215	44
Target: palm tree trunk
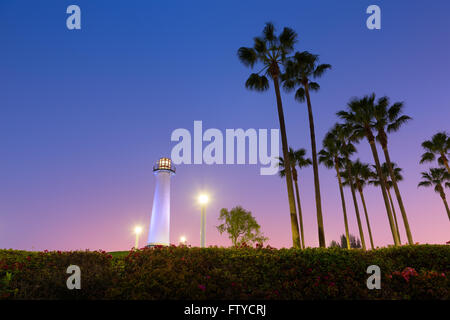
344	209
394	214
316	170
300	214
399	197
445	204
287	167
383	187
367	216
358	218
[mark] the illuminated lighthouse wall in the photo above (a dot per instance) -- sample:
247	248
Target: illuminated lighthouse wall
160	219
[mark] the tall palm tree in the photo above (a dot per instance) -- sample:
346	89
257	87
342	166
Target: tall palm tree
361	174
361	115
300	70
271	50
438	178
439	145
390	119
296	158
331	156
345	134
389	184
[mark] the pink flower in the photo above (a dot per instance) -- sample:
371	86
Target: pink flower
202	287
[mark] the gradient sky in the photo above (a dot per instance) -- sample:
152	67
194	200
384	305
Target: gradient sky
84	114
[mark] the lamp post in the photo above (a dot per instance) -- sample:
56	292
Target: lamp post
203	199
137	231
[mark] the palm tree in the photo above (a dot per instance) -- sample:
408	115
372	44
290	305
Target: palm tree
300	69
361	115
331	156
390	119
389	184
439	145
296	158
438	178
361	174
270	50
344	133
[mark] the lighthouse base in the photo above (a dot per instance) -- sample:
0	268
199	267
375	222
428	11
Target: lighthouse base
154	244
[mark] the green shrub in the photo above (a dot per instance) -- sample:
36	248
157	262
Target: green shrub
42	275
408	272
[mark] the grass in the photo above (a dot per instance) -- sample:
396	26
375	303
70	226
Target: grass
119	254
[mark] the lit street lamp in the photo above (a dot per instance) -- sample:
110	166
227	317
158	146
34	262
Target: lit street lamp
183	240
137	231
203	199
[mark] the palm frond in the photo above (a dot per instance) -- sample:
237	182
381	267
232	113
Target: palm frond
300	95
313	86
247	56
320	69
257	82
396	124
269	32
259	45
427	157
288	38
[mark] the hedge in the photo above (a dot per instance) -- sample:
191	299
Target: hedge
407	272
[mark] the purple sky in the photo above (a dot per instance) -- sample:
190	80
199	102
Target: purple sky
85	114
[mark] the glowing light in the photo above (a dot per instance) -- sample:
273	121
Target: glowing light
182	239
138	230
203	199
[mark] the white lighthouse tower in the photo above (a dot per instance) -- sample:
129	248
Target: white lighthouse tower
160	220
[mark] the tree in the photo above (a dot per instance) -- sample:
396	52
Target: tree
331	156
271	50
440	179
345	133
390	119
241	226
300	70
354	243
376	181
361	115
439	145
361	174
296	158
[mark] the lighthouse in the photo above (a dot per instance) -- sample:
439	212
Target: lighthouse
160	219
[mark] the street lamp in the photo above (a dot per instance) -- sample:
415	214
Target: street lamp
183	240
203	199
137	231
